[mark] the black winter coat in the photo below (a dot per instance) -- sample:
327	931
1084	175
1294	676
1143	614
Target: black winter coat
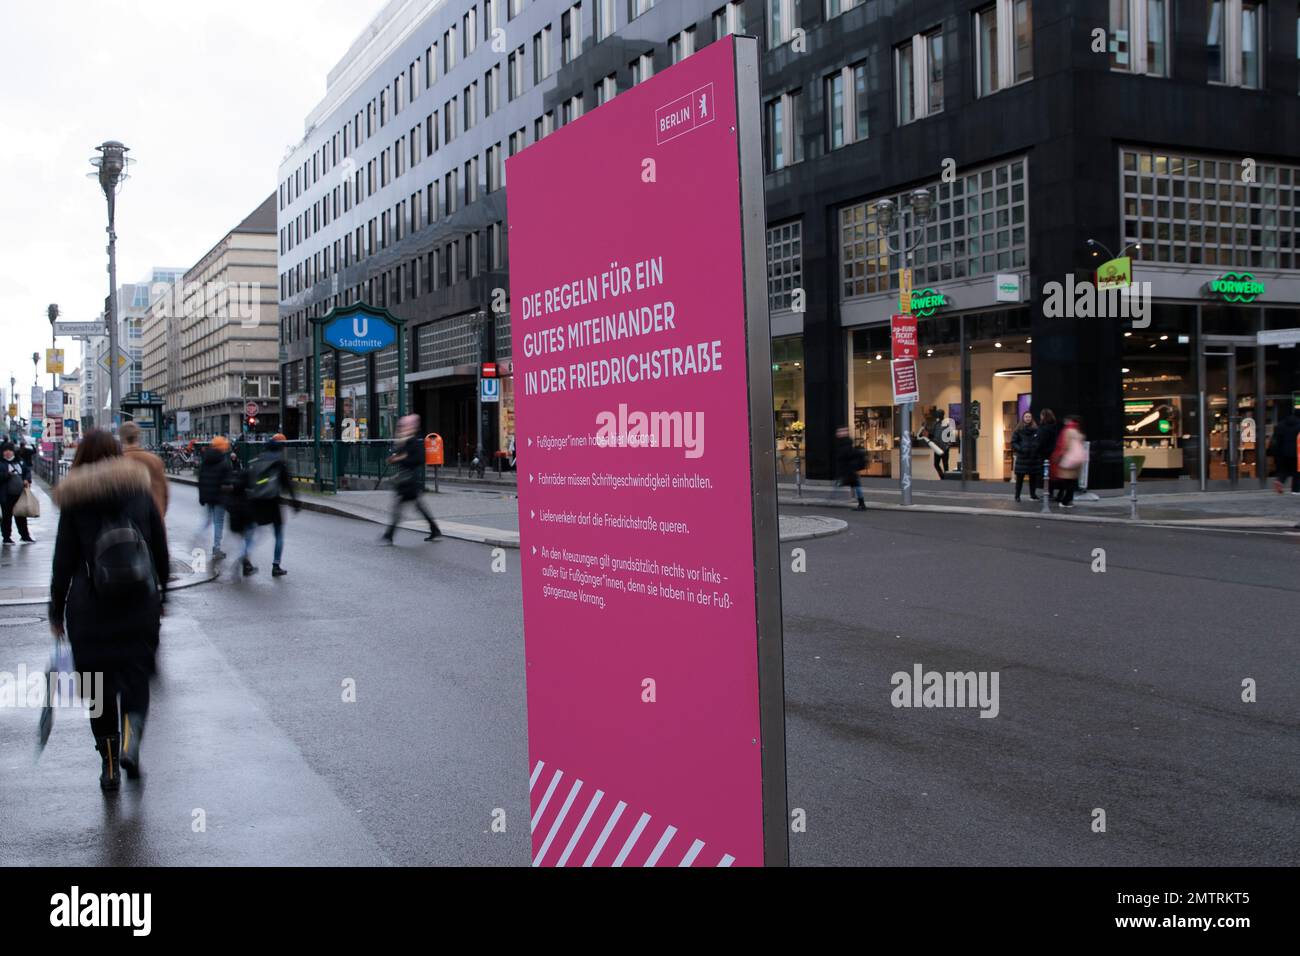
849	460
1283	446
409	482
1024	442
1047	436
246	511
216	475
13	473
106	633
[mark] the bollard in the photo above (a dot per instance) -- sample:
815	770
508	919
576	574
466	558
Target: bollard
1047	489
1133	489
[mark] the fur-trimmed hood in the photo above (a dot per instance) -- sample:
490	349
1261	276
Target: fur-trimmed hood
107	480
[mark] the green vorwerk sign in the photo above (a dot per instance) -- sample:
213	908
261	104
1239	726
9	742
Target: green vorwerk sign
1237	287
926	301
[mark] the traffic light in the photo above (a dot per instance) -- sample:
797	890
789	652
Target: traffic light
252	422
975	419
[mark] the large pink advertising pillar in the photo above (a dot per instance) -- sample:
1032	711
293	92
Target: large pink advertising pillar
647	495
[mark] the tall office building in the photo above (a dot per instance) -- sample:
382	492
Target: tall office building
1051	137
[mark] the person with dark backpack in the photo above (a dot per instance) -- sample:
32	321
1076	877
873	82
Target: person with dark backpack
258	490
107	592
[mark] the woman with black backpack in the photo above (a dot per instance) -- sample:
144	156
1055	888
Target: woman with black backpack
109	585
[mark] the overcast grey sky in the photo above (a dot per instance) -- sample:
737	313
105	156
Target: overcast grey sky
207	95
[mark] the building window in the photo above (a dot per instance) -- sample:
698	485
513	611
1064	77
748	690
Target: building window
681	45
515	73
1235	41
846	106
471	105
570	34
570	109
637	7
643	67
517	142
543	126
782	19
492	90
606	89
494	246
449	49
979	226
1193	210
1139	36
784	142
605	22
918	68
835	7
516	7
494	168
469	27
784	264
728	20
489	18
471	180
541	55
1004	45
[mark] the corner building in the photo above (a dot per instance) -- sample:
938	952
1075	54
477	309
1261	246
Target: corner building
1037	126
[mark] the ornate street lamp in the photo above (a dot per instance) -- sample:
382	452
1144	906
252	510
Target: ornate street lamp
110	168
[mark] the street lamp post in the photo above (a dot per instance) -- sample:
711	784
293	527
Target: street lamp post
111	166
920	204
52	313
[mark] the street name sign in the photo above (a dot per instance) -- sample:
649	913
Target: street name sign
649	553
81	329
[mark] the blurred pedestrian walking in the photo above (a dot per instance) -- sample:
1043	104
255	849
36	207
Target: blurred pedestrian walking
216	482
15	478
130	435
107	592
849	460
408	456
1285	449
1024	445
258	490
1069	458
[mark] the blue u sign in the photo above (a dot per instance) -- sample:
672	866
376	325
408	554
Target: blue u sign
360	333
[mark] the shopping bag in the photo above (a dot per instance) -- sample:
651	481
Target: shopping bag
27	505
59	677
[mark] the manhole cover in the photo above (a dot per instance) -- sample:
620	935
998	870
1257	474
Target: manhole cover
20	621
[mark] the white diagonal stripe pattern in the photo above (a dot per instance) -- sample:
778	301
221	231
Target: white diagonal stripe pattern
653	858
631	839
541	807
582	827
692	853
604	834
559	819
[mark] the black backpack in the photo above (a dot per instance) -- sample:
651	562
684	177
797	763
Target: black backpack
121	566
264	479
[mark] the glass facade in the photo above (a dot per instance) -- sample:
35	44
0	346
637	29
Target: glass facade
1198	210
979	226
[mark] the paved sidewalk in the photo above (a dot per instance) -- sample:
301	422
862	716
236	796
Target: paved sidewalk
25	568
1243	510
486	516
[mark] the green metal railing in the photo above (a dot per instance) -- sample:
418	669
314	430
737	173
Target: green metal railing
341	462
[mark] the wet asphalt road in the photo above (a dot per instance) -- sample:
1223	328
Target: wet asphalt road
1119	691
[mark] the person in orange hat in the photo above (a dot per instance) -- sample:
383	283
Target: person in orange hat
216	480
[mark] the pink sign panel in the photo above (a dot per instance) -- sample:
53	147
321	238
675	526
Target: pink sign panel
636	505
